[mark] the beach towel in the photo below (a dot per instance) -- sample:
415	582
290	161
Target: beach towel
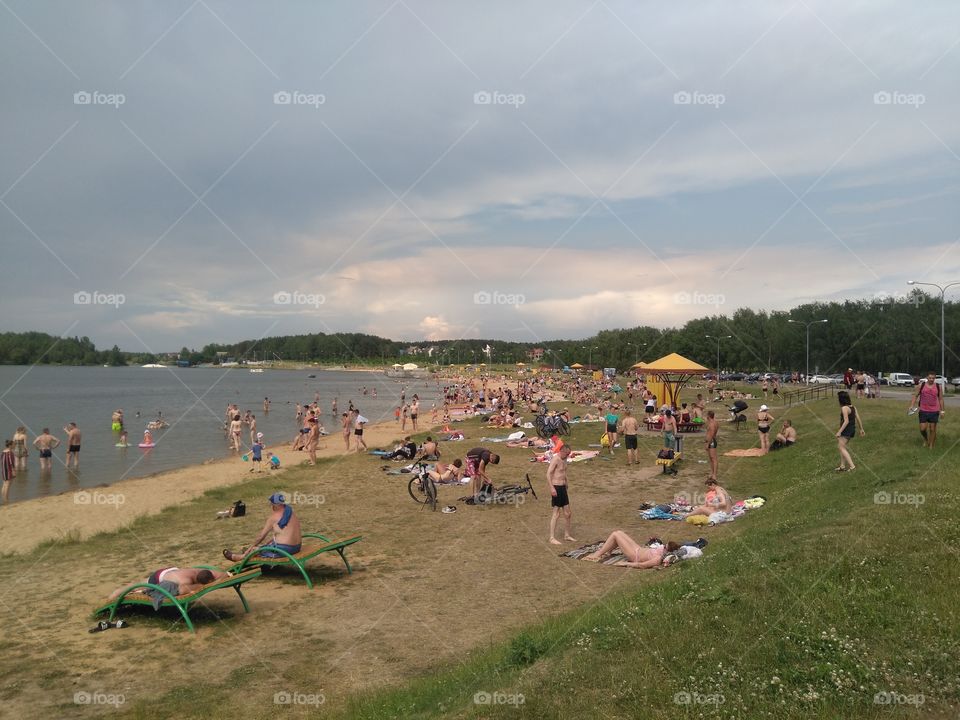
579	553
575	456
656	513
746	452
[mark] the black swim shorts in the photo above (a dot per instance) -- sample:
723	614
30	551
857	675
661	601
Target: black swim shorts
561	499
630	442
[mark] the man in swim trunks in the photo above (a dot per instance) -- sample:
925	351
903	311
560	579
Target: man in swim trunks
358	423
477	461
713	429
284	527
630	428
73	444
189	579
669	430
414	411
430	450
559	500
786	437
46	443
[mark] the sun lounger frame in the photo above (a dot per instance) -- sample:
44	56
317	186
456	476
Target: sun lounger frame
298	560
181	603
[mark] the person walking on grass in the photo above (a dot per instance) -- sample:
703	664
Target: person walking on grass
612	420
849	422
559	500
929	399
713	429
630	428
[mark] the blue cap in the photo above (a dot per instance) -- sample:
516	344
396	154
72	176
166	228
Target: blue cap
277	499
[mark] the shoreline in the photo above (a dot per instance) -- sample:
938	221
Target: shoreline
80	514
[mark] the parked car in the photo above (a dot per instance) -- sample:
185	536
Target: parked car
820	380
901	379
733	376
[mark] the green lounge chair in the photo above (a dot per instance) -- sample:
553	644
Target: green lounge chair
180	602
308	551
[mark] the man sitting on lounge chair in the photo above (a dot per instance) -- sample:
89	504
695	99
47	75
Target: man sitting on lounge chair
188	579
283	524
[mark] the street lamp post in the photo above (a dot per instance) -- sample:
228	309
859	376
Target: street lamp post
808	324
718	338
943	337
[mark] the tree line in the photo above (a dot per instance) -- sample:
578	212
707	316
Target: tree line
900	334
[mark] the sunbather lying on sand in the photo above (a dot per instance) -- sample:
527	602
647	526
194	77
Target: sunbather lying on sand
635	554
716	499
447	472
189	579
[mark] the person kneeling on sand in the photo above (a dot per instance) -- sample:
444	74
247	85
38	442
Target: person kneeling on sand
188	579
283	524
635	554
716	499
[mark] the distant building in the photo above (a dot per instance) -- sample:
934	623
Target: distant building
535	354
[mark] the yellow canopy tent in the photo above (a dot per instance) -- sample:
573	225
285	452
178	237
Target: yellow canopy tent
576	366
667	376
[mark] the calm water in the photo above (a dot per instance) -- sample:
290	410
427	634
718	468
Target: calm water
192	400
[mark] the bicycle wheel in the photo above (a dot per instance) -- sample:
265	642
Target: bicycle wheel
430	493
418	492
530	485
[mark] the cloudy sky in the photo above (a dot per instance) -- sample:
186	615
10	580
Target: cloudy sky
183	172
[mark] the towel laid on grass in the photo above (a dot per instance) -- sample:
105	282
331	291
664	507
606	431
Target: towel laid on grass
579	553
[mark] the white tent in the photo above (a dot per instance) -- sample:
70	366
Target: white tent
410	366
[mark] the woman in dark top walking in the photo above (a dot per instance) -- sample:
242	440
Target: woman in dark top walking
849	422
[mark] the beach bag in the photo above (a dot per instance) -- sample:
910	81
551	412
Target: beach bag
665	454
238	509
605	440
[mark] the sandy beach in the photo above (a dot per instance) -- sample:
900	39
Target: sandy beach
110	507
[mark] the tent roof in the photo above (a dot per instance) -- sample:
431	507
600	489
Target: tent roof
577	366
674	363
638	366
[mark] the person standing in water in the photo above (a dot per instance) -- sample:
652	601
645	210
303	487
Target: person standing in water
73	444
20	447
46	443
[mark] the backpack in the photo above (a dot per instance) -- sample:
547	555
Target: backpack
238	509
605	440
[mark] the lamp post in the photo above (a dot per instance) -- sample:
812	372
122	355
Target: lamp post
718	338
943	337
808	324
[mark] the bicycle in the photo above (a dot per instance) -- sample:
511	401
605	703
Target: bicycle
548	425
506	494
422	487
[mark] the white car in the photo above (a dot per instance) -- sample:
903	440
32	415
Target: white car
901	379
820	380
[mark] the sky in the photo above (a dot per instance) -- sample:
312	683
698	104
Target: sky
179	173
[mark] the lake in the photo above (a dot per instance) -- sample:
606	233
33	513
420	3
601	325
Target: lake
192	400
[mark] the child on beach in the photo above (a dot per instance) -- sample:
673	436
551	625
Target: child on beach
255	453
123	439
273	462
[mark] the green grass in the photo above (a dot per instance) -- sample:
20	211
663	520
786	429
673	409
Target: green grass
818	602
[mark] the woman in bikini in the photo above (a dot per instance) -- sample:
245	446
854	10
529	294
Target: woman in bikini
20	447
764	419
635	554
